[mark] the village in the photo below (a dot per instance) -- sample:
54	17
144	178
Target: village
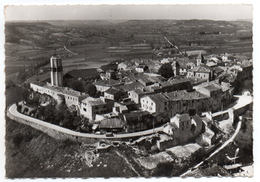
169	102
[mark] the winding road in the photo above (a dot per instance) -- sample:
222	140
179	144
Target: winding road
243	101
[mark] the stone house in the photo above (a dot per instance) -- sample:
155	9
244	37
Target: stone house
202	72
91	106
113	94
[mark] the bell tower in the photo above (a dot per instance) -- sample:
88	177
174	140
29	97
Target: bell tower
56	71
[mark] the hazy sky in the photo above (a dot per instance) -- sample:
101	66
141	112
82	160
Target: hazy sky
94	12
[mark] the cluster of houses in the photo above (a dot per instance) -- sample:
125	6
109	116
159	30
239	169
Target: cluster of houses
135	97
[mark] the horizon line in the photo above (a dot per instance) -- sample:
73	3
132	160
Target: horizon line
246	19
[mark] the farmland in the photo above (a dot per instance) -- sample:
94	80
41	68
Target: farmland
92	41
91	44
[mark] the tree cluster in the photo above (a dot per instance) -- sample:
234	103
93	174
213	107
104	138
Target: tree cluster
166	70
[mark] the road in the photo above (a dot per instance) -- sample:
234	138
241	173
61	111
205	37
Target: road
13	111
243	100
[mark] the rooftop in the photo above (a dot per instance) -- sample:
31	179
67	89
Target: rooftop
184	95
94	101
183	117
83	73
202	69
192	147
64	90
111	123
158	98
108	83
212	87
130	86
112	91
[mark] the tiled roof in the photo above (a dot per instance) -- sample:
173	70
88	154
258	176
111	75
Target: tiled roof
62	90
197	118
192	147
108	83
212	87
94	101
131	86
112	91
183	117
83	73
158	98
111	123
202	69
184	95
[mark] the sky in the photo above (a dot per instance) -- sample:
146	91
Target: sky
116	12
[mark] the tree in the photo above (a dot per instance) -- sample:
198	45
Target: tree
164	169
77	85
166	70
91	89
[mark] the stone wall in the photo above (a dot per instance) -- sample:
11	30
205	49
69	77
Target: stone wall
58	132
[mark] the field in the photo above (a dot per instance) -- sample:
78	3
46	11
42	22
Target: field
95	41
91	44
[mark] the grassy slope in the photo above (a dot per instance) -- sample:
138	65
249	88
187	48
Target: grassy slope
31	153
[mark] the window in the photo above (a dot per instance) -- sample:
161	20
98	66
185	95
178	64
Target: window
151	103
84	109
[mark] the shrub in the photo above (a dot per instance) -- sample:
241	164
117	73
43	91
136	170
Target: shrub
17	140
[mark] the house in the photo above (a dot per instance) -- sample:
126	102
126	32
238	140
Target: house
154	66
110	74
184	64
156	103
120	108
217	71
103	85
137	120
114	125
130	86
141	68
183	127
113	94
60	94
207	138
201	71
175	84
137	94
85	74
219	93
126	66
175	102
91	106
